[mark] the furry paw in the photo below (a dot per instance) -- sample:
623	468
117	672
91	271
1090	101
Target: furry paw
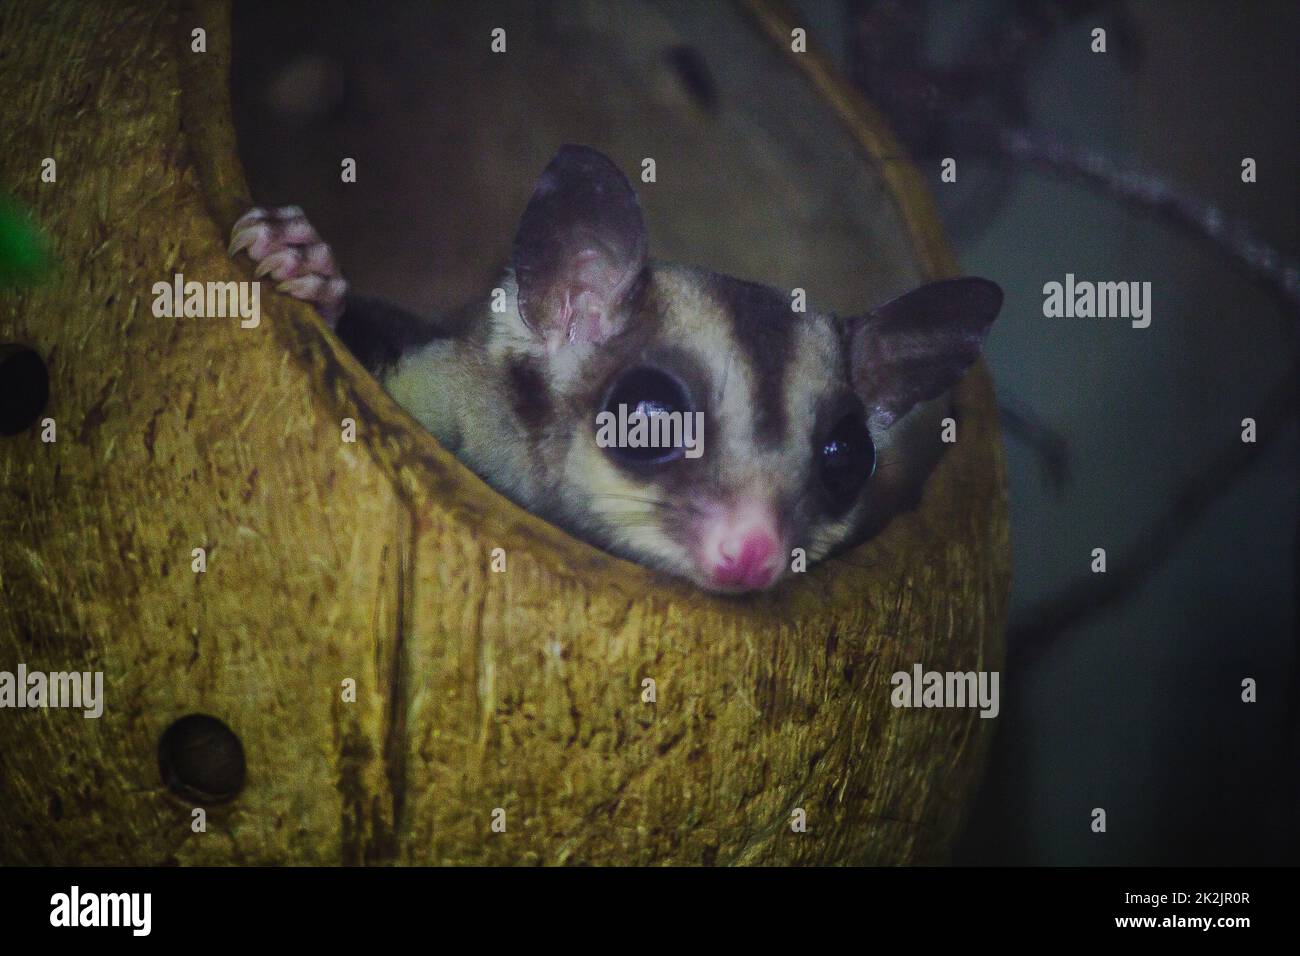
284	245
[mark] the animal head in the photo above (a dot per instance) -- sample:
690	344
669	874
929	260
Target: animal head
773	427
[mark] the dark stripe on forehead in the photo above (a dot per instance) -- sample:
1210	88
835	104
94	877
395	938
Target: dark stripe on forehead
764	331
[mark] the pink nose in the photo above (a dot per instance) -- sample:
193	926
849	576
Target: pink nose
748	564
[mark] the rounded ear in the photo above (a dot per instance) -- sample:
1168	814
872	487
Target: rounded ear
917	346
580	248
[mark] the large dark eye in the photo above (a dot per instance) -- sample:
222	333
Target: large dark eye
663	400
846	459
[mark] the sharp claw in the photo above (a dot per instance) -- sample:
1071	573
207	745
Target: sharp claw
256	214
273	262
244	239
301	288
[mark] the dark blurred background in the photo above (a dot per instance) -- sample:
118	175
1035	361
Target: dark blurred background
1123	692
1136	708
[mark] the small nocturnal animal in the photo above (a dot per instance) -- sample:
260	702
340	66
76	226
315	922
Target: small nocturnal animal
815	428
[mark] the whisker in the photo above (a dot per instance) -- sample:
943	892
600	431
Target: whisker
653	502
